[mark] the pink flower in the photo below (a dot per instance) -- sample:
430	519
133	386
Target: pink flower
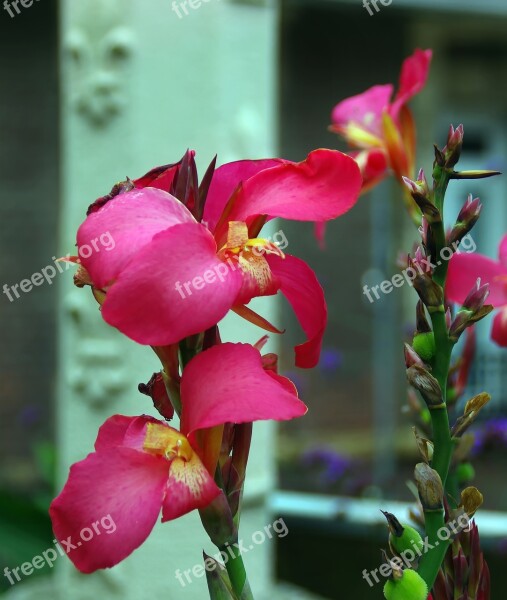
170	276
142	467
374	123
465	269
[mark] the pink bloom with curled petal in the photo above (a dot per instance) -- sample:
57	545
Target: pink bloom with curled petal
466	269
142	467
170	276
379	124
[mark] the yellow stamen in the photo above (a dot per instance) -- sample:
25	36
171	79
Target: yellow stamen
167	442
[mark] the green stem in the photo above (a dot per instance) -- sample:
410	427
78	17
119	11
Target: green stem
433	559
237	573
442	441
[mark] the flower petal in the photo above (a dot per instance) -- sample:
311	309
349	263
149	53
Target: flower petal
120	488
414	73
465	269
364	110
225	180
189	486
163	295
112	432
128	222
160	177
300	286
502	251
322	187
227	384
373	166
499	329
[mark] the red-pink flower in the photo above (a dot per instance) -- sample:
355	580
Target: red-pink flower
382	126
142	467
465	269
169	276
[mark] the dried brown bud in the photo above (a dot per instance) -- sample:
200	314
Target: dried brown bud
429	486
471	412
429	388
471	500
430	293
425	446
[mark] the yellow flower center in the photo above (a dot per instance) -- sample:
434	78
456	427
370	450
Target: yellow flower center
249	254
167	442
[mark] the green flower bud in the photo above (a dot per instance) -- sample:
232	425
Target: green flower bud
411	586
401	537
408	540
424	345
465	472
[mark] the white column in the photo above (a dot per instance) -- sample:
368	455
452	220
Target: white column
140	85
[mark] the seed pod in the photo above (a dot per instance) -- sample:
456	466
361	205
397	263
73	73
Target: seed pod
411	586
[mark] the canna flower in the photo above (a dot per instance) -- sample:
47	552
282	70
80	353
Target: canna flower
464	271
381	127
142	467
178	268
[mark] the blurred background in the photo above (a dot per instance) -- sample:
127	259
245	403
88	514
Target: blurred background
95	90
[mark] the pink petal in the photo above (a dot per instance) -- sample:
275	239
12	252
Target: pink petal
189	486
123	227
300	286
149	301
159	177
373	166
414	73
502	251
499	329
226	179
120	491
324	186
227	384
112	432
465	269
365	109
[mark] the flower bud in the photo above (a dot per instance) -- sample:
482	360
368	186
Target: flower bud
467	218
477	296
429	388
421	195
452	150
412	358
424	345
401	537
471	500
410	586
157	391
473	310
430	293
426	448
429	486
471	412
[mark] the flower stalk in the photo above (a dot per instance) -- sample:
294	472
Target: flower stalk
434	386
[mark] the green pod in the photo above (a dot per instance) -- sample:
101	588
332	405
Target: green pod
411	586
424	345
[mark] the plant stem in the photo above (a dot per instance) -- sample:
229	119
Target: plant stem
442	441
237	573
433	559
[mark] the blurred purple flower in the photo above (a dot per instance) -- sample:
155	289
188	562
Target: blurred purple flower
331	359
492	433
332	464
